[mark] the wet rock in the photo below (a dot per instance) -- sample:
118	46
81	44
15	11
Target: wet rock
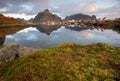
8	53
26	51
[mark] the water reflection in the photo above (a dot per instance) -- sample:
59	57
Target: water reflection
9	30
47	29
45	37
76	28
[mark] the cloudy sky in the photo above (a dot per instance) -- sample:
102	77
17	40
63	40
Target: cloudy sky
29	8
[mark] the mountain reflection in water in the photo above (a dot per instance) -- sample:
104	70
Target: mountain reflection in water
46	29
50	36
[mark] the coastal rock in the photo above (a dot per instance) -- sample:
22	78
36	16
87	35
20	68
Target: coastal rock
8	53
26	51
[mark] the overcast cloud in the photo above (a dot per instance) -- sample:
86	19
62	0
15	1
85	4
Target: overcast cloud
101	8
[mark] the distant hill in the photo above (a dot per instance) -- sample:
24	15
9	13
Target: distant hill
80	16
21	19
9	20
46	16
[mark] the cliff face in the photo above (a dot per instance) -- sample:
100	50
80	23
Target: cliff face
46	16
80	16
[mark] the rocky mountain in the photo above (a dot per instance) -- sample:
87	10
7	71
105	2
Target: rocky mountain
80	16
46	16
21	19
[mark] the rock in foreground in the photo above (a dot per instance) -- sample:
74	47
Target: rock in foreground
8	52
11	51
26	51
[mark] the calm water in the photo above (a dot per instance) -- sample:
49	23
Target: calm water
45	37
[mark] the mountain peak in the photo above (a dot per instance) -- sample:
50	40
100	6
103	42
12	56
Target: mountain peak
46	15
46	11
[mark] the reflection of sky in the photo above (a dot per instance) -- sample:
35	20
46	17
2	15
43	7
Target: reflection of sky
31	37
71	36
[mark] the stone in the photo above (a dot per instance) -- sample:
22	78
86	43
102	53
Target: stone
8	53
26	51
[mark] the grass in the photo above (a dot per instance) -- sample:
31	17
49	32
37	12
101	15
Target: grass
66	62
